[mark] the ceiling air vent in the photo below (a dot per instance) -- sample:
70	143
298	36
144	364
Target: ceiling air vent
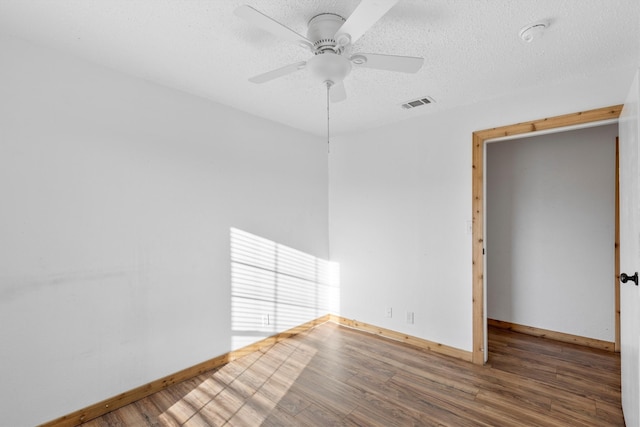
418	102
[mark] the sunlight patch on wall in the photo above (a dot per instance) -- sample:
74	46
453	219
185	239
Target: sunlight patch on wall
275	287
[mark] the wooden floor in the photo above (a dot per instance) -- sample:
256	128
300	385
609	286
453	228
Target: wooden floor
332	375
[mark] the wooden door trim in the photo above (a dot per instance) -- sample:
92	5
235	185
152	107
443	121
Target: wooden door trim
479	140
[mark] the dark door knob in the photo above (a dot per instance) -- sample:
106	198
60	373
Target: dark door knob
624	278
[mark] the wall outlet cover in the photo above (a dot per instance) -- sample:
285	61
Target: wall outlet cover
410	317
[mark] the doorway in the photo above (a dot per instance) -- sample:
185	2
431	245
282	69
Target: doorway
480	138
549	205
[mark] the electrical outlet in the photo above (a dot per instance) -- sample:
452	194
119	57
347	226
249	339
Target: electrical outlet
388	312
410	317
266	320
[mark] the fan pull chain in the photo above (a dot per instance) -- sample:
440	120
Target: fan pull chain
328	128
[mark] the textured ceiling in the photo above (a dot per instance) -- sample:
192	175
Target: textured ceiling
471	47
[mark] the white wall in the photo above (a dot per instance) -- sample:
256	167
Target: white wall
400	199
117	201
550	207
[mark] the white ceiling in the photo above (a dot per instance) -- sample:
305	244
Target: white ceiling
471	47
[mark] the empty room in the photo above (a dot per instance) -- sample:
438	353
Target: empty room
283	213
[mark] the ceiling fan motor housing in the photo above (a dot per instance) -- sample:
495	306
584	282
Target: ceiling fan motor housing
321	31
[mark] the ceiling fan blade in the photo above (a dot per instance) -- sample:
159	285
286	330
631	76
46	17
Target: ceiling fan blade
274	74
272	26
366	14
404	64
337	93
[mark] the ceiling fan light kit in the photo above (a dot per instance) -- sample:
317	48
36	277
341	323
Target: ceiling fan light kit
329	67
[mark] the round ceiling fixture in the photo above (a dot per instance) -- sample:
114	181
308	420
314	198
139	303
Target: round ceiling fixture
533	31
329	67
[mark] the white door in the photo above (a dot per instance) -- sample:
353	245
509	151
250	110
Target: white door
630	254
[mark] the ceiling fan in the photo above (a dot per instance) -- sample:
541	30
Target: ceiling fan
328	37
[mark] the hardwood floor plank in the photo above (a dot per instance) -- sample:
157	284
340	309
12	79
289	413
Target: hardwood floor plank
132	416
333	375
149	411
278	418
225	404
381	412
315	415
174	409
114	419
197	420
575	417
213	415
252	413
527	415
610	413
465	407
590	389
328	393
418	406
